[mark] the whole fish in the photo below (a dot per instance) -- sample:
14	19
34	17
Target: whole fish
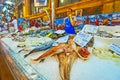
66	61
40	47
66	54
53	51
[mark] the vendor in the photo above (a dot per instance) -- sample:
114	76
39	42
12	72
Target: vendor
69	23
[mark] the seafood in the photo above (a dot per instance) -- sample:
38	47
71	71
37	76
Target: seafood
53	51
65	63
30	41
66	54
40	47
84	52
108	34
46	32
106	54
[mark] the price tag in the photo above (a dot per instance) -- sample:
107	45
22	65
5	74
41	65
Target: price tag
63	39
115	48
60	31
82	39
91	28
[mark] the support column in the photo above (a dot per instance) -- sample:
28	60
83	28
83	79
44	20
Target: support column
26	8
116	6
16	12
53	12
24	11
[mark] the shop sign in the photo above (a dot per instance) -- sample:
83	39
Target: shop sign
82	39
115	48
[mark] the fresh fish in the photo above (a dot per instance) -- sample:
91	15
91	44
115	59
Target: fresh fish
53	51
41	47
66	61
66	54
45	32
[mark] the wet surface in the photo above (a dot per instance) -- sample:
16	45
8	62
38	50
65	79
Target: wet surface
5	73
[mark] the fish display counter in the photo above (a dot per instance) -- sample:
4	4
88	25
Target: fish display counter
110	31
66	61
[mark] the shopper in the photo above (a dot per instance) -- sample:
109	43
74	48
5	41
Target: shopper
97	21
20	27
11	27
69	22
5	24
25	25
15	24
87	21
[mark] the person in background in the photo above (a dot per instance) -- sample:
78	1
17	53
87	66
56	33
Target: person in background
31	23
25	25
1	27
5	25
69	22
15	24
97	21
35	23
59	27
11	27
87	21
20	20
20	28
28	23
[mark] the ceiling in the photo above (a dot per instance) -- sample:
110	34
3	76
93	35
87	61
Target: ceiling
2	1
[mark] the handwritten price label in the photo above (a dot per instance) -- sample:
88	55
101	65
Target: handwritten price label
91	29
82	39
115	48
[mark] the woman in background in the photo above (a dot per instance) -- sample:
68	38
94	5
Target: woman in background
15	23
11	27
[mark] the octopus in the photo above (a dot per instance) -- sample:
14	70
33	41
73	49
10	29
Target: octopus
66	55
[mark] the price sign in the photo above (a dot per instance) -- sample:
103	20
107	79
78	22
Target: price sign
91	28
60	31
115	48
82	39
63	39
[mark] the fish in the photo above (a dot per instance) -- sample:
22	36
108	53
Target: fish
53	51
65	63
40	47
84	53
66	54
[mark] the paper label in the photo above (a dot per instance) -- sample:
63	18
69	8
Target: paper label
115	48
60	31
82	39
91	29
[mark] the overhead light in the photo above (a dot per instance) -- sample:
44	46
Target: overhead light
9	2
62	1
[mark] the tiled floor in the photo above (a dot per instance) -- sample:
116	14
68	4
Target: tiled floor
5	73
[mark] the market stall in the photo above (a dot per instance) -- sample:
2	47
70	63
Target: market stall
102	63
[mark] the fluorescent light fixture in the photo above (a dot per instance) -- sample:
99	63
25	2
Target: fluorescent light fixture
9	2
62	1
